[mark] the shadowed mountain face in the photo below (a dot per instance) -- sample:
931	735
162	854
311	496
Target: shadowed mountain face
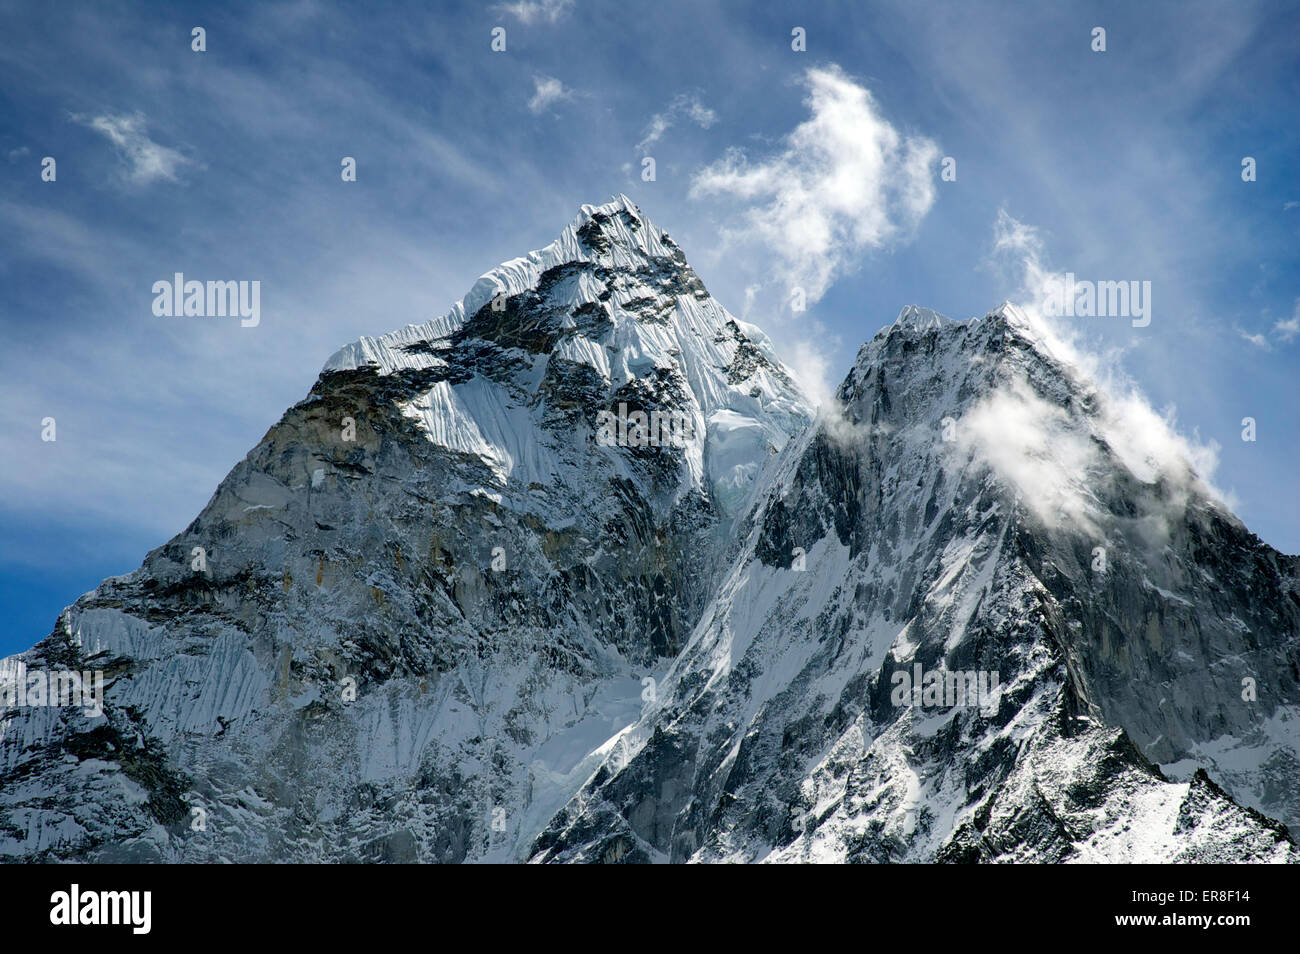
446	611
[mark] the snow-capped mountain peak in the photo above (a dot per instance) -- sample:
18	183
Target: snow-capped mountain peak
431	592
614	235
610	314
916	318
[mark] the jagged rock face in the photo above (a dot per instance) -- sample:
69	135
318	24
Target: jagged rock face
951	519
438	525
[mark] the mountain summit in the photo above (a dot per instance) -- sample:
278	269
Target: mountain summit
574	573
407	619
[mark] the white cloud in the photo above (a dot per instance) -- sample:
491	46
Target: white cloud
535	11
547	91
146	160
1032	445
1020	247
809	362
1017	429
1288	329
1284	331
684	104
845	182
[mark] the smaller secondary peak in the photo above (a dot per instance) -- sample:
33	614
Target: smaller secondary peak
1010	318
916	318
615	232
1013	315
614	206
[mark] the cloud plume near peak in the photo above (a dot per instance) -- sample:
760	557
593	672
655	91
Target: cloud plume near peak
1046	454
844	182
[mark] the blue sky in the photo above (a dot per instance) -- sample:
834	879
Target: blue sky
225	164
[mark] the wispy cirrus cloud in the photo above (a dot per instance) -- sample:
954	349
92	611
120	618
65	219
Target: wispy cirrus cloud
547	91
844	182
146	160
537	11
1284	331
1287	329
686	105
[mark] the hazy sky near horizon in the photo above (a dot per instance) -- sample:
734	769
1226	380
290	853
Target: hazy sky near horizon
774	168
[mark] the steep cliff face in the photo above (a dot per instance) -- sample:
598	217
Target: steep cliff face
1070	603
405	620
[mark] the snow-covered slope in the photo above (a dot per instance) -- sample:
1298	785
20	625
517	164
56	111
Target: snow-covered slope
974	507
429	593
